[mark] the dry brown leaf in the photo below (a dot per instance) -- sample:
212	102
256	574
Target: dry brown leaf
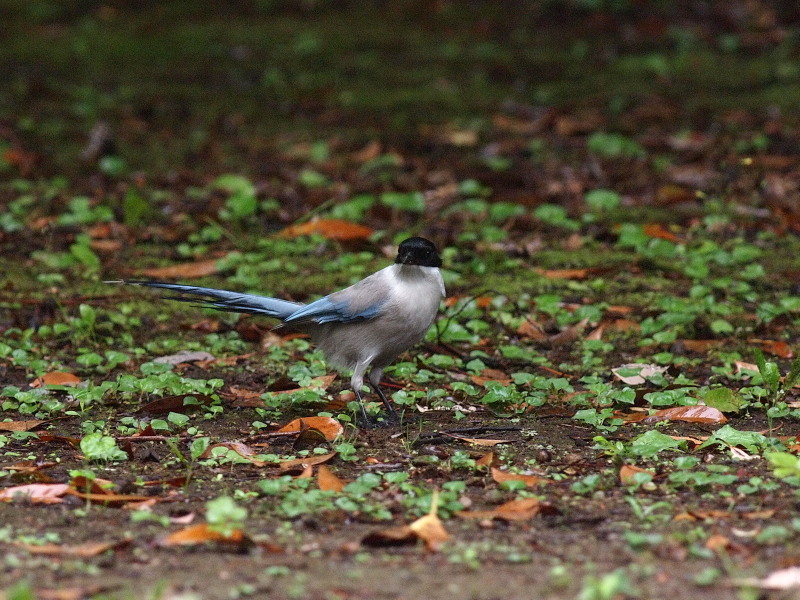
328	481
777	348
744	366
639	378
184	356
329	427
332	229
693	440
318	459
690	414
627	474
491	375
321	382
487	460
55	378
568	335
38	493
239	448
20	425
429	529
175	404
29	467
564	273
74	593
596	334
515	510
87	550
529	480
477	441
202	533
699	346
109	499
201	268
657	230
718	542
623	325
531	330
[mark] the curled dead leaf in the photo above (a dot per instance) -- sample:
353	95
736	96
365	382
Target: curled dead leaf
515	510
328	481
192	270
690	414
306	461
428	528
55	378
332	229
87	550
38	493
203	533
20	425
329	427
627	474
529	480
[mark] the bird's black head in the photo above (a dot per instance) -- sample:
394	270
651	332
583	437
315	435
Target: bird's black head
418	251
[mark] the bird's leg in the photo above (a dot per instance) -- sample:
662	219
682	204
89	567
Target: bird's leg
393	416
368	423
374	379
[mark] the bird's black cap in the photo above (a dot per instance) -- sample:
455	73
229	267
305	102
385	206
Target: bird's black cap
418	251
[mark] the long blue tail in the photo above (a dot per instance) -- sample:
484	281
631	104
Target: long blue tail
226	301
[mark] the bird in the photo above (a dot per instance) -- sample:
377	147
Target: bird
362	328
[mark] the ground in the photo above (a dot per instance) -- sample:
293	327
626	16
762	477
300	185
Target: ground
605	407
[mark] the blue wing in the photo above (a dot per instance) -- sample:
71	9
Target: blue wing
326	310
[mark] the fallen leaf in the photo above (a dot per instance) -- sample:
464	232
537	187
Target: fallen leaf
429	529
718	542
38	493
328	481
306	461
74	593
491	375
515	510
184	356
477	441
487	460
745	366
332	229
87	550
203	533
595	335
529	480
699	346
564	273
28	468
694	441
176	404
20	425
623	325
532	331
329	427
239	448
322	382
636	373
110	499
657	230
777	348
690	414
193	270
55	378
627	474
